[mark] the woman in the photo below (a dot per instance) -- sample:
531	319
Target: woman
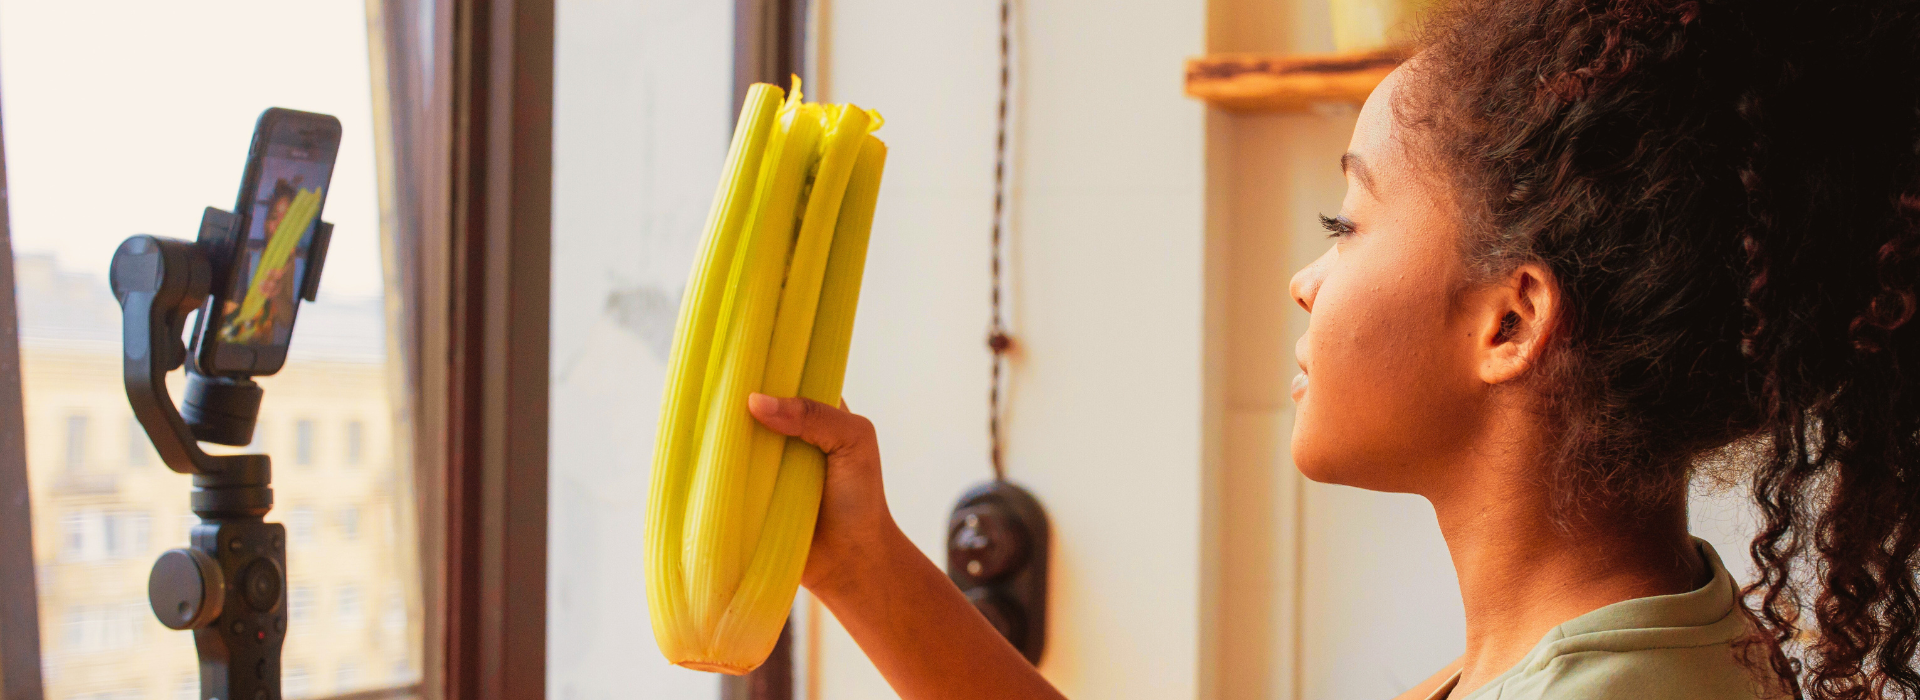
1590	249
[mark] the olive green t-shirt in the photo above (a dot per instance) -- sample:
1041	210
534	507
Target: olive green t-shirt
1669	647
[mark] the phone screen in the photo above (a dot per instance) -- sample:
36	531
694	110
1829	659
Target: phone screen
254	318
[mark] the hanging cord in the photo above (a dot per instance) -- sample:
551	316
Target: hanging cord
997	338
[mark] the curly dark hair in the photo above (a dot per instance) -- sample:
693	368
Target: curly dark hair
1727	192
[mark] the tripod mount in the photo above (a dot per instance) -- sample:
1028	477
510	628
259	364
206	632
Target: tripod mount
229	584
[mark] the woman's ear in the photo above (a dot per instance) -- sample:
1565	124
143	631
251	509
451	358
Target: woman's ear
1517	323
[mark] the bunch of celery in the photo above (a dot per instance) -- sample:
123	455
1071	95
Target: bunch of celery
769	308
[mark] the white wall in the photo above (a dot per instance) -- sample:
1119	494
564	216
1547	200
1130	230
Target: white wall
1107	304
642	115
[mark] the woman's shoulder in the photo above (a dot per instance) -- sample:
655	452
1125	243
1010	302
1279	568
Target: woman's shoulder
1708	672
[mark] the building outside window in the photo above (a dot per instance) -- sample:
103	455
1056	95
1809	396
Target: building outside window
73	537
303	442
76	442
98	628
350	523
98	535
356	442
348	675
351	613
139	448
294	681
99	521
301	526
300	602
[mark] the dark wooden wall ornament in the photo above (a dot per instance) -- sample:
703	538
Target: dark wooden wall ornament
998	545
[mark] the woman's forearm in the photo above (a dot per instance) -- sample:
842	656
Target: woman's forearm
922	634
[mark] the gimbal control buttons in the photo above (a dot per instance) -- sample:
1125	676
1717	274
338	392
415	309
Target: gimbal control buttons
260	584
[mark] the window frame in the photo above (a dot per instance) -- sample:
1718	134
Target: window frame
463	100
19	594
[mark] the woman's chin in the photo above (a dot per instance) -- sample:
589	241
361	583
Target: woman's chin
1314	465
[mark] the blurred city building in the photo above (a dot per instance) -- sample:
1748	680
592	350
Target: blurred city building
104	505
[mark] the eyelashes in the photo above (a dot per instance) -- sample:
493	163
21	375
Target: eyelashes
1337	227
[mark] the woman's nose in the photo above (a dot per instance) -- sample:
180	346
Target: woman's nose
1306	283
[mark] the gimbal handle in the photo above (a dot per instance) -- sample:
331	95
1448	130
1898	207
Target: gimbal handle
228	586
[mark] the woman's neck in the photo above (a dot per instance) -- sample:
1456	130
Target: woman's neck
1521	574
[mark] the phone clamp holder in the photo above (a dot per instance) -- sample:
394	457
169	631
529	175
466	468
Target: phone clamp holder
229	584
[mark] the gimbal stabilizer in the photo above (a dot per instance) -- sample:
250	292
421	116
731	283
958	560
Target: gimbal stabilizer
229	585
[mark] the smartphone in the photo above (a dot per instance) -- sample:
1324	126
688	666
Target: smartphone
260	264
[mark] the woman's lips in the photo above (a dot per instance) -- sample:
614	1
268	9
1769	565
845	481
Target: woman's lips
1299	385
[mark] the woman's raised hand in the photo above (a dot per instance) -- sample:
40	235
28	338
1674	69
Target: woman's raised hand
853	504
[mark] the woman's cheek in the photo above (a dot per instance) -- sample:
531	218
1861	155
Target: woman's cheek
1367	389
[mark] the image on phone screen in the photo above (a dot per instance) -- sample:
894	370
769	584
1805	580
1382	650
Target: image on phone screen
271	259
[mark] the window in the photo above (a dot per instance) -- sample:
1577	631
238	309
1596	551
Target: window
348	609
350	523
300	602
294	681
347	677
356	441
73	536
99	535
76	442
96	628
130	534
303	442
68	73
300	526
123	534
139	448
393	620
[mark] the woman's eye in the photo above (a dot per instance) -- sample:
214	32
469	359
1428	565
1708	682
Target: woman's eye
1337	227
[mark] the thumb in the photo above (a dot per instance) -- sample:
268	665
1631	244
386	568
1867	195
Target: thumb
828	428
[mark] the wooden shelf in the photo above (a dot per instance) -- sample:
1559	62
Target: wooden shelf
1273	83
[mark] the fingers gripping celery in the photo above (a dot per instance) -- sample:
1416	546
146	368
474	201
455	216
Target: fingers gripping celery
768	308
766	590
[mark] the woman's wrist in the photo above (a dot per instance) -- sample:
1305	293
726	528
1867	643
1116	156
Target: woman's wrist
852	565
